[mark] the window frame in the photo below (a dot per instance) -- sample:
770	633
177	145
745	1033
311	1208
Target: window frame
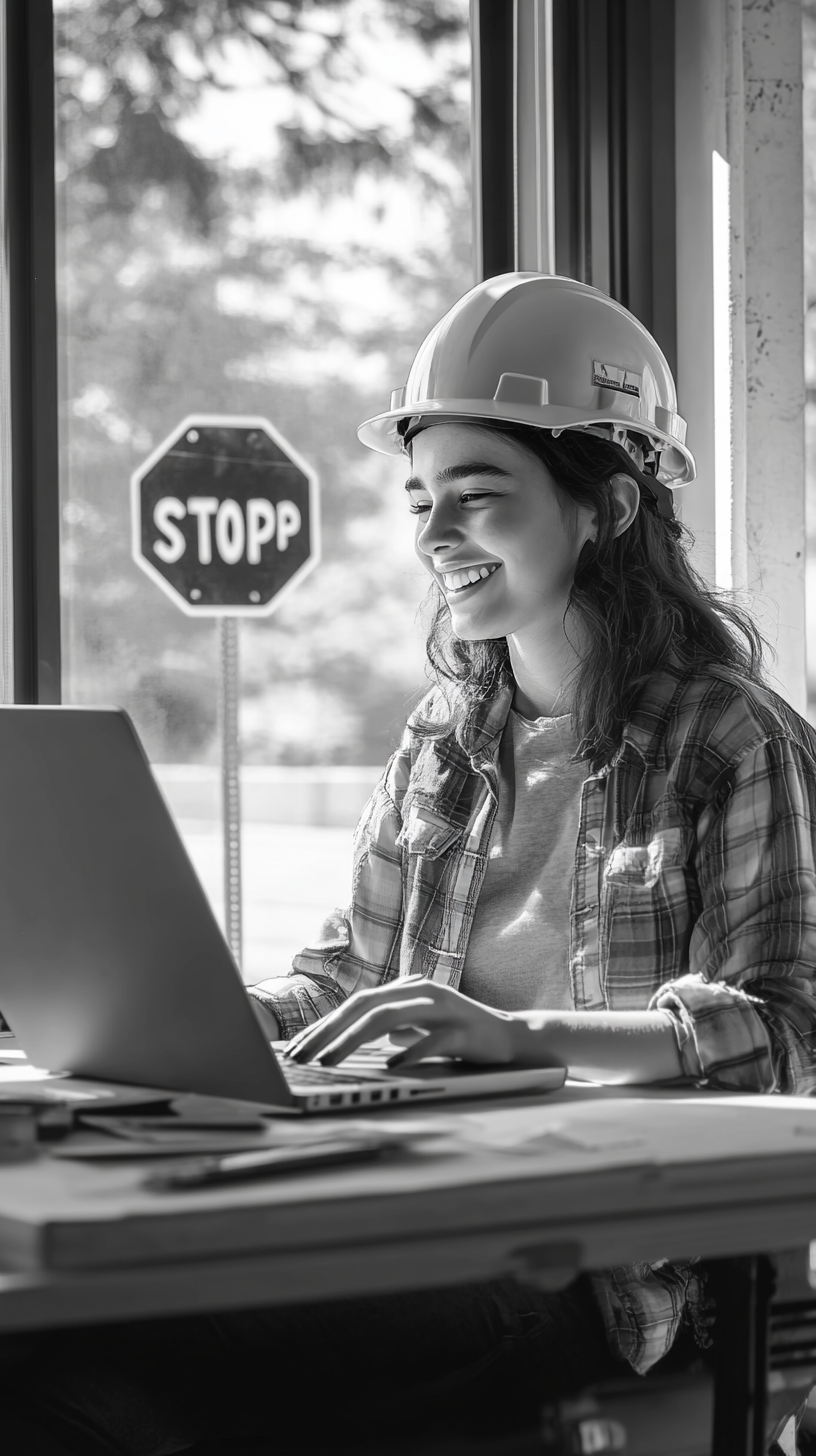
610	102
608	171
30	228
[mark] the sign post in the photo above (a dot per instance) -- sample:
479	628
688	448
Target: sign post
225	519
231	784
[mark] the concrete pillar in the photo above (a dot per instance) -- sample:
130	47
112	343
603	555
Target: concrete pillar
739	93
773	326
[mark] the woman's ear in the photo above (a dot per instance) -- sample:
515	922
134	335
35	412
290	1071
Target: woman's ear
627	500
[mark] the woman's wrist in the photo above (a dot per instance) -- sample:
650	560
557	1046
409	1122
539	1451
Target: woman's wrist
532	1044
617	1047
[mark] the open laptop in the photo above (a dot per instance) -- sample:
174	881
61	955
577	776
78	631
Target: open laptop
112	964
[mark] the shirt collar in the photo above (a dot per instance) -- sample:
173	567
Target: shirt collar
482	729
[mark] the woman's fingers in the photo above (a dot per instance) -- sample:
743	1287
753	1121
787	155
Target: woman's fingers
312	1039
439	1043
350	1010
378	1022
472	1031
406	1035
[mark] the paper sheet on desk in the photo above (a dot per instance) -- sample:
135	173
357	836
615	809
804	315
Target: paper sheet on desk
109	1138
665	1129
523	1136
502	1130
92	1145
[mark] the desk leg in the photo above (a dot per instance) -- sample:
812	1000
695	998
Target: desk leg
743	1289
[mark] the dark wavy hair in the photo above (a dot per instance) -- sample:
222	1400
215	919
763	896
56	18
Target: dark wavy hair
636	596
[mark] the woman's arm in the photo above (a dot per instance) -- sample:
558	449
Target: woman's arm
613	1046
745	1013
605	1046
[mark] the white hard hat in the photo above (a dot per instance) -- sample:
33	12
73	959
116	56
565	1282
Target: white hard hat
536	349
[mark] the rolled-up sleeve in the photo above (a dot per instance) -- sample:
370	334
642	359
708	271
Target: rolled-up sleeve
745	1014
357	947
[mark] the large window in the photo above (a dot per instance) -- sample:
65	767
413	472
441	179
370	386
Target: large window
261	209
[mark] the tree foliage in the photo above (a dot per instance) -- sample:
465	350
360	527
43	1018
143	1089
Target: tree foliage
292	278
128	71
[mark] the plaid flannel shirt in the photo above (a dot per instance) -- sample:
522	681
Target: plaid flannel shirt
694	892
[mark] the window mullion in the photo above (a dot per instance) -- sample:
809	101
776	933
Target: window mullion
31	593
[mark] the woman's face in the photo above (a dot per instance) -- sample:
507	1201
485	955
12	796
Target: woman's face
492	532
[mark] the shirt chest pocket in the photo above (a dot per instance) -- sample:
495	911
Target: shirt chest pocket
426	833
641	867
434	893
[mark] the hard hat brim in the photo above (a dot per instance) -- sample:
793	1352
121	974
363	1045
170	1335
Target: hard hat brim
381	432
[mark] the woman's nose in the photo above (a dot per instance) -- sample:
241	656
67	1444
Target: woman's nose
439	530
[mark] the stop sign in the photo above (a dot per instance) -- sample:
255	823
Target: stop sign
225	516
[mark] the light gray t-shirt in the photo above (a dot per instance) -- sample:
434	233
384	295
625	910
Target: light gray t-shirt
518	953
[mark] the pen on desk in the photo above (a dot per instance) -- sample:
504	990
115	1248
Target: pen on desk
202	1172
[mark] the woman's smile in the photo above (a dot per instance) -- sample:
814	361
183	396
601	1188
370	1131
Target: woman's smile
464	579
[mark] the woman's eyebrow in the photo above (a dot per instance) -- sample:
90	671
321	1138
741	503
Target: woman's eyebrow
460	472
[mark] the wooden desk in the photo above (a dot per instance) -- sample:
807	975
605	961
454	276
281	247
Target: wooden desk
577	1180
580	1179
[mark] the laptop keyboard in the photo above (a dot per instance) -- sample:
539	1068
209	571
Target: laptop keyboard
300	1074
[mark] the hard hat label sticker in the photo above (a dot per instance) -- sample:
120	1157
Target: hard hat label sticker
614	376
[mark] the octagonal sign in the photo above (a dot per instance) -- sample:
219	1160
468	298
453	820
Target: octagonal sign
225	516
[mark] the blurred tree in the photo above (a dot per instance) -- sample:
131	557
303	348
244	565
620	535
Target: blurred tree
291	275
130	70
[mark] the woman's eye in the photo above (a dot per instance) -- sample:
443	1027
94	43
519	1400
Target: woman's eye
470	497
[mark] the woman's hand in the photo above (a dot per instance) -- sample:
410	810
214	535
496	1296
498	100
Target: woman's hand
617	1047
449	1025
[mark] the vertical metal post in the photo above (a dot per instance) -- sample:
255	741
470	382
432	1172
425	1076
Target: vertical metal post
533	136
230	784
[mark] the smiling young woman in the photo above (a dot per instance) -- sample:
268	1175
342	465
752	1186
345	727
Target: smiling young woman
621	879
594	848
